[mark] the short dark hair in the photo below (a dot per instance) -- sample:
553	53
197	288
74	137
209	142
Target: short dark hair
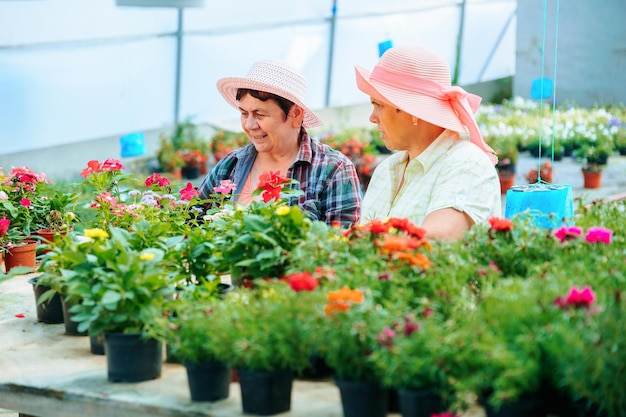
284	104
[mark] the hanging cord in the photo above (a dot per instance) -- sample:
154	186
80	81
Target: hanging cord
556	44
543	57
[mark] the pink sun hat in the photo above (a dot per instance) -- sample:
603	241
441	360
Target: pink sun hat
417	82
272	76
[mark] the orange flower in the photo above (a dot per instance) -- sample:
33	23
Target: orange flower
392	243
341	299
418	259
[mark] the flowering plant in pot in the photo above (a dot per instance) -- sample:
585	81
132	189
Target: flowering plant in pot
414	357
256	241
270	328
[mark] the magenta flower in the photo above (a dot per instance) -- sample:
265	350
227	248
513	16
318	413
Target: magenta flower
568	233
189	192
385	337
225	187
599	234
25	202
580	297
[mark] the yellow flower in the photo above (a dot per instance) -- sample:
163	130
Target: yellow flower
283	211
96	233
146	256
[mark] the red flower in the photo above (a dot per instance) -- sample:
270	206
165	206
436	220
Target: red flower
271	183
302	281
500	225
158	180
25	202
188	192
92	166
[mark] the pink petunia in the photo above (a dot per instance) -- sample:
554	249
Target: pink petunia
599	235
568	233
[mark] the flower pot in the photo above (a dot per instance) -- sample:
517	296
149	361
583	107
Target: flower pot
96	344
130	358
506	182
71	327
265	392
51	310
191	172
24	255
592	179
363	398
208	381
48	236
525	406
420	403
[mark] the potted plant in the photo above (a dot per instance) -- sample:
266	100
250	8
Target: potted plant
196	332
544	172
594	155
506	147
270	331
224	141
413	358
119	291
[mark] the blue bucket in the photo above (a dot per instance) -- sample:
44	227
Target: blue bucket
550	205
133	144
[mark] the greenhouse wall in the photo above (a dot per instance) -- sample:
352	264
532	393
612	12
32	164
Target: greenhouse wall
77	75
584	40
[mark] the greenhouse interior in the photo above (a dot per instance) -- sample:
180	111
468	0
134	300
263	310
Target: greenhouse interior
144	272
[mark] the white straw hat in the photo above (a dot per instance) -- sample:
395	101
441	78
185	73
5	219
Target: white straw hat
271	76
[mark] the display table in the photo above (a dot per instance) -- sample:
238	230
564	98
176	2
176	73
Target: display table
45	373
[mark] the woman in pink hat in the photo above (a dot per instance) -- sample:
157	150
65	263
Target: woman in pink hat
274	117
443	176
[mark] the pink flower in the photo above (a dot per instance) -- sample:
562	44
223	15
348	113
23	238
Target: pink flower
225	187
567	233
599	234
410	326
385	337
158	180
25	202
580	297
188	192
4	225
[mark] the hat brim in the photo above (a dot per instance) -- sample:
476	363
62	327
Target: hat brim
228	89
430	109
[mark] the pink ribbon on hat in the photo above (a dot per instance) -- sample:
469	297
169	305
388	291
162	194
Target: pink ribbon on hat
463	103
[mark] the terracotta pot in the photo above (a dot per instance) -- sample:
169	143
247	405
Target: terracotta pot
24	255
592	179
47	236
506	182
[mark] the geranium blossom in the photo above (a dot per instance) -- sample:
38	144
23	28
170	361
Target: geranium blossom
567	233
189	192
598	235
272	183
225	187
158	180
302	281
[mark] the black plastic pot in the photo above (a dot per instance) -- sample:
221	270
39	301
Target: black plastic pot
208	381
96	344
363	398
71	327
130	358
265	393
422	403
50	311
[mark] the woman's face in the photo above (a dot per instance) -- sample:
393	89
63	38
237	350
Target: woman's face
395	126
267	126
